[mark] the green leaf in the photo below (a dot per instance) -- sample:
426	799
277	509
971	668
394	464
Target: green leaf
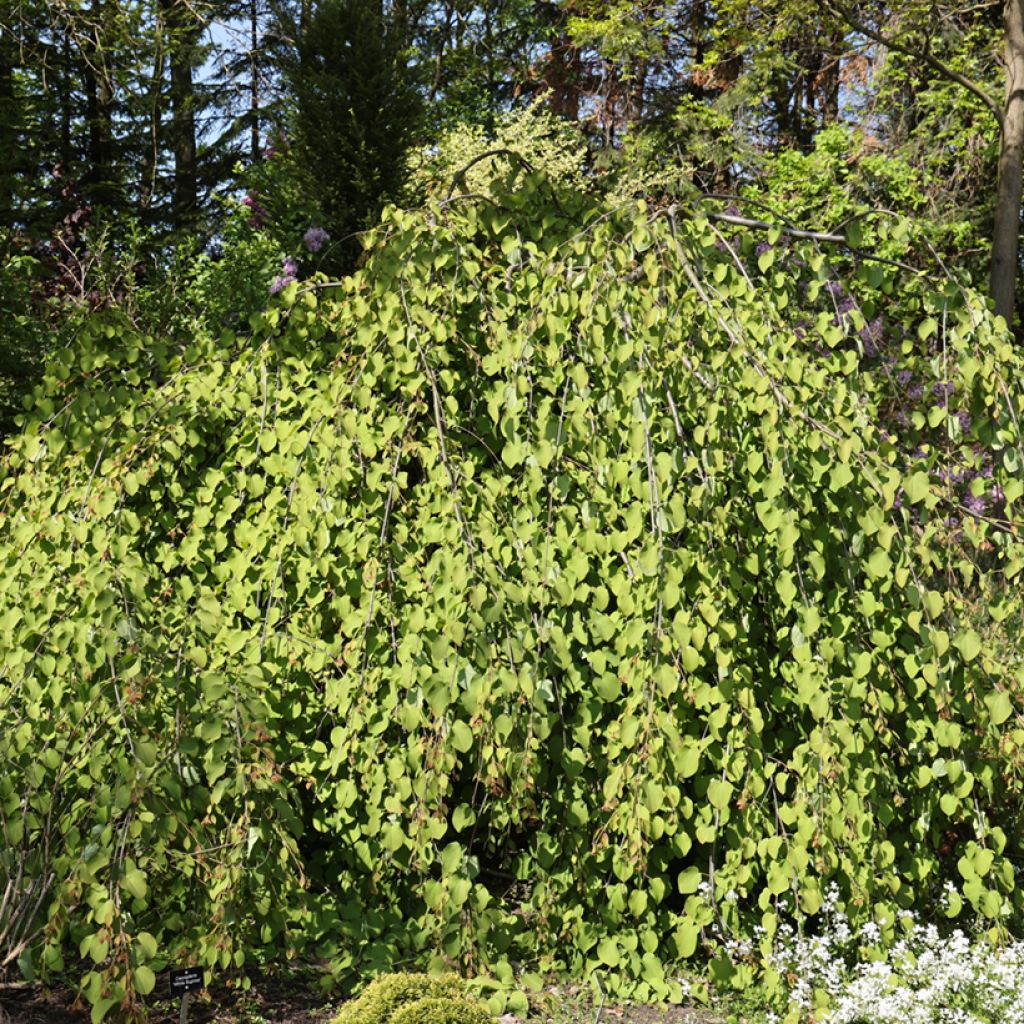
608	952
999	706
686	936
143	980
968	643
879	564
134	882
462	736
463	817
916	487
719	793
689	880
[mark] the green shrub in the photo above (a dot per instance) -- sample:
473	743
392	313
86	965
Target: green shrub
442	1011
385	997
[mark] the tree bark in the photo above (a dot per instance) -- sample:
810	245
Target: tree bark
1010	183
151	150
99	95
99	111
254	81
181	37
9	130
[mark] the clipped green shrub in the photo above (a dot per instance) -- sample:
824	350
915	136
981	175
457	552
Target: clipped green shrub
442	1011
385	997
571	586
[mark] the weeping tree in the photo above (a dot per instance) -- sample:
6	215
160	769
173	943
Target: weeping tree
577	586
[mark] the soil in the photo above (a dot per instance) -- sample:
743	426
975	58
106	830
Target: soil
269	1001
287	1000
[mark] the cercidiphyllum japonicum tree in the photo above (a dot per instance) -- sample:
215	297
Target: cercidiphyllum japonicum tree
571	586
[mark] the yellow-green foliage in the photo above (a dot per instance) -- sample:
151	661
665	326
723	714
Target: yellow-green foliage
387	996
544	141
442	1011
658	566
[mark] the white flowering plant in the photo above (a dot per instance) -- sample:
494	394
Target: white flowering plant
847	975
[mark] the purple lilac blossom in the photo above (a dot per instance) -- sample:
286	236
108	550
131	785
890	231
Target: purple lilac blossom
903	378
289	267
965	421
915	392
975	504
871	336
259	212
314	239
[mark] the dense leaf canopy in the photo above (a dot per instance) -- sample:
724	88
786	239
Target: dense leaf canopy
572	585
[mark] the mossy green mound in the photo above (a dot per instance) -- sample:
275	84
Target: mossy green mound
442	1011
413	999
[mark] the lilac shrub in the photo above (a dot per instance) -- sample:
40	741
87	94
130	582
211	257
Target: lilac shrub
289	273
315	238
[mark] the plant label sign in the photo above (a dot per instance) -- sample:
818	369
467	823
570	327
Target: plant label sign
189	979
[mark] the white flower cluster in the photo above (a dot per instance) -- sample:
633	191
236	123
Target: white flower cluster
923	978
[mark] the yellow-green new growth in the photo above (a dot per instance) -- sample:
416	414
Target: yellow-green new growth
390	995
443	1010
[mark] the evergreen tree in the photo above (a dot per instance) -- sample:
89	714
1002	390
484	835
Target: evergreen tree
356	112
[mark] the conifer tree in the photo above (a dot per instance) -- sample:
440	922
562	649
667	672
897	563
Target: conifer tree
356	112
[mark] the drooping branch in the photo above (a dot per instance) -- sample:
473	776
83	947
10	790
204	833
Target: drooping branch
839	8
814	236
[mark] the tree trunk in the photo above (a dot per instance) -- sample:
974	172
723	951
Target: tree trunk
66	98
181	37
99	176
9	130
99	112
254	81
151	151
1006	231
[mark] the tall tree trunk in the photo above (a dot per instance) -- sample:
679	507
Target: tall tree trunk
66	86
181	38
99	112
151	152
9	129
254	81
1006	231
99	96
